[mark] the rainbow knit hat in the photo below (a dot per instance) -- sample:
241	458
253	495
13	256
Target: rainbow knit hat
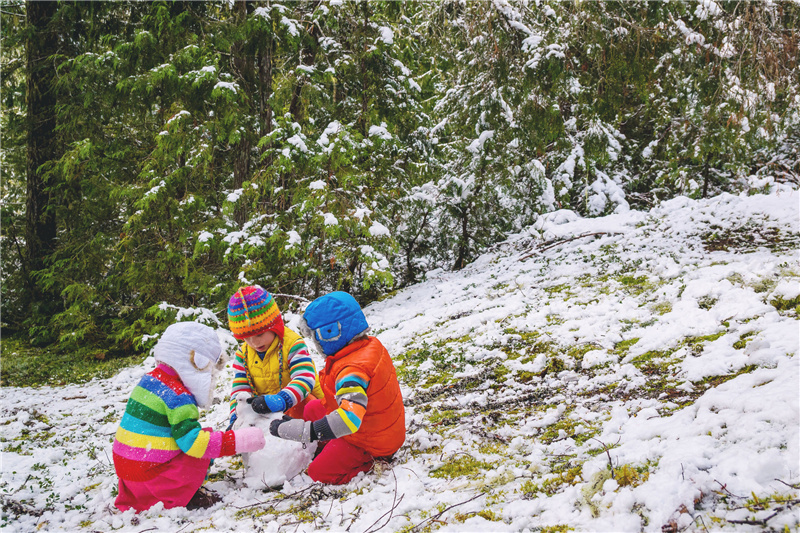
252	311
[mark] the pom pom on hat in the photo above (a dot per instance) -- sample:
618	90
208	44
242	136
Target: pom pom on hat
252	311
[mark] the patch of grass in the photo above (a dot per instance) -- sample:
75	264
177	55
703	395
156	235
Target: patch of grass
527	341
743	340
661	308
568	476
650	356
499	373
695	344
461	465
577	352
629	476
707	302
22	365
492	448
634	285
567	427
553	366
486	514
622	347
558	528
443	416
715	381
558	289
736	279
434	450
782	304
749	237
628	324
255	512
529	489
764	285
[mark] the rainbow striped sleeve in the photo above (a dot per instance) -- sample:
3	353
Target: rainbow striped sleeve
240	381
351	395
160	423
302	371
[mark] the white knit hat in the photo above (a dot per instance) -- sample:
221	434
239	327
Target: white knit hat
193	350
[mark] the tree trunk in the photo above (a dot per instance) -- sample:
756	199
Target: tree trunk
243	67
265	58
362	119
40	220
308	56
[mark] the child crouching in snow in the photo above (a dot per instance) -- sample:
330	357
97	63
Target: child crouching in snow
273	368
361	417
161	453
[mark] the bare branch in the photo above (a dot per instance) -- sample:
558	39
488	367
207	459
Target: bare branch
552	244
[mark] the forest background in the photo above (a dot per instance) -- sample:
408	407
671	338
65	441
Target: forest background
158	155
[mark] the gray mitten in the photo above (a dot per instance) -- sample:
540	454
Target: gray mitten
293	429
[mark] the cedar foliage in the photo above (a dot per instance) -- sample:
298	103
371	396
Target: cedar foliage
310	146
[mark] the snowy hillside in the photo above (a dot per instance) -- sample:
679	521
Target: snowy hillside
644	376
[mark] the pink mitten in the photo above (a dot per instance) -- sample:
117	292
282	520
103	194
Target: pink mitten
249	439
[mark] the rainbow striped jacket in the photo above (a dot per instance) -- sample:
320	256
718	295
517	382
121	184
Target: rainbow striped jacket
160	423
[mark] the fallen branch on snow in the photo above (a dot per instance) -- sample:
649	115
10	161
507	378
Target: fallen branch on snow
552	244
435	518
17	508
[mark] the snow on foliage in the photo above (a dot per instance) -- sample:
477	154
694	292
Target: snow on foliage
379	230
476	146
230	86
386	35
380	131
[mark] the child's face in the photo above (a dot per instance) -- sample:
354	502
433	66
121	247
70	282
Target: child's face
260	342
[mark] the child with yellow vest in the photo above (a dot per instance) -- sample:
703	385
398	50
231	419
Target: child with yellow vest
272	366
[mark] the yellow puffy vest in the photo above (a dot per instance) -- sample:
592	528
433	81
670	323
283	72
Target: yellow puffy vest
263	374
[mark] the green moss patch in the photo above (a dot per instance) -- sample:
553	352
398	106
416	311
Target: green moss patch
22	365
461	465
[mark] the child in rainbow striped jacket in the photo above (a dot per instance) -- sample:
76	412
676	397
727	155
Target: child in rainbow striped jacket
272	368
161	452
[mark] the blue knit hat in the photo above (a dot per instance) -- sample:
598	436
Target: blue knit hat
335	319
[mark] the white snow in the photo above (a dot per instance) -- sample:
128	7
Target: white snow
380	131
279	460
387	35
651	345
378	230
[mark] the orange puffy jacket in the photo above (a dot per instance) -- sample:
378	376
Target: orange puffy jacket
383	428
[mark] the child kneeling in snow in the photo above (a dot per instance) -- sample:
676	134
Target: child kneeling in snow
362	415
273	368
161	453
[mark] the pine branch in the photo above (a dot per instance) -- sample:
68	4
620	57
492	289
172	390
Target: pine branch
290	297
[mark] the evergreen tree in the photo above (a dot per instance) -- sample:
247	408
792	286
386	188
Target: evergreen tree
157	155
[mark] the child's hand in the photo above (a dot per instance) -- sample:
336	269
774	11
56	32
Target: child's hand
249	440
269	403
293	429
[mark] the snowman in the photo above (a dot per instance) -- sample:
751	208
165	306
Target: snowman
279	460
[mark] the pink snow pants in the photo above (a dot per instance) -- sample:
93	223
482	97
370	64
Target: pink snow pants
339	461
175	486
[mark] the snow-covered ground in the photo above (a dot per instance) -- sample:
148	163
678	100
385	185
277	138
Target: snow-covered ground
643	376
